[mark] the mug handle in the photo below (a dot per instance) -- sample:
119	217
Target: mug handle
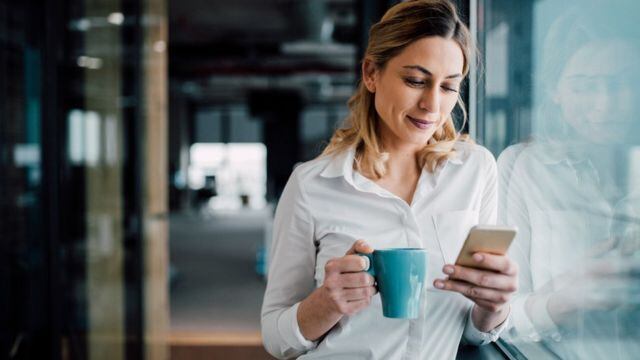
369	258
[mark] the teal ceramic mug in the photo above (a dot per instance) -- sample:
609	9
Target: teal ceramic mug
401	275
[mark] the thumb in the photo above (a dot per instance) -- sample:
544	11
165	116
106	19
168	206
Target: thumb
361	247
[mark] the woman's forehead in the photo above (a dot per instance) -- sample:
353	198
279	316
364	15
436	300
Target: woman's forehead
440	56
603	58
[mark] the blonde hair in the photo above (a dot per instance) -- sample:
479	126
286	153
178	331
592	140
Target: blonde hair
402	24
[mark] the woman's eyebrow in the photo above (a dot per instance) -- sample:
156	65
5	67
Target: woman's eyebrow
428	73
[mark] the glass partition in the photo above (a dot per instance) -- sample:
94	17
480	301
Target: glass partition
559	111
82	208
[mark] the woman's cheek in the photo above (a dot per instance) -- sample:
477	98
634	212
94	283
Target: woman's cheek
450	104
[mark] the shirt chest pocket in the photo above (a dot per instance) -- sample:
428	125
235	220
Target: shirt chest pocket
450	229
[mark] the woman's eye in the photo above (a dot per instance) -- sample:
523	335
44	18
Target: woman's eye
449	89
414	82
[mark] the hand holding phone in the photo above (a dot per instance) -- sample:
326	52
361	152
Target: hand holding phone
489	281
492	239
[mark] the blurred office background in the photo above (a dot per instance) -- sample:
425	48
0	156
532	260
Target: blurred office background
144	144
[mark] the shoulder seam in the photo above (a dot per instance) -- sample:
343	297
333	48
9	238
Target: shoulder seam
305	197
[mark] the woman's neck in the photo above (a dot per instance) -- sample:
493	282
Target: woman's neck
401	177
402	164
403	158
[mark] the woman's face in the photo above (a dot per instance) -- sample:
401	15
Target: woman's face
416	90
597	91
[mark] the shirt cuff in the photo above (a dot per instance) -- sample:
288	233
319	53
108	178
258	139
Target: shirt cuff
290	331
476	337
522	323
542	327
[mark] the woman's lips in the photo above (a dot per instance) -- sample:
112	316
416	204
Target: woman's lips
421	124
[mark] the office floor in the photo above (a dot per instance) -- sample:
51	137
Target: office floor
216	297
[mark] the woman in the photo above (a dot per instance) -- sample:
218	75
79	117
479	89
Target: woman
568	191
395	176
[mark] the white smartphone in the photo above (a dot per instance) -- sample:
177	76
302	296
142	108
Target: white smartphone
492	239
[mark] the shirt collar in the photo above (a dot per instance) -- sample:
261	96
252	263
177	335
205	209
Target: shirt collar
551	154
456	159
341	164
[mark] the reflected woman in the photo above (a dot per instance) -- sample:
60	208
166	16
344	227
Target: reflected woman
396	175
565	189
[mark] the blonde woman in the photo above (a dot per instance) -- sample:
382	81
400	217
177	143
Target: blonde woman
397	175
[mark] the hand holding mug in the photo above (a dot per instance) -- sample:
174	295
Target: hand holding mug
347	288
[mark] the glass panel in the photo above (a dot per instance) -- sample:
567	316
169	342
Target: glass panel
23	252
562	87
100	57
83	179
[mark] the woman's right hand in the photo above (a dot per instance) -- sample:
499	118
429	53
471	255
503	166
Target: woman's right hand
597	285
347	287
346	290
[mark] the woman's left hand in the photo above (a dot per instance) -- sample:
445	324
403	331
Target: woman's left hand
490	286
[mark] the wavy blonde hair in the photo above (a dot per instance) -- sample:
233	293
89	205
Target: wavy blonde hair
402	24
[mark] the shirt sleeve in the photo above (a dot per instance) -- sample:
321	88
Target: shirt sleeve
473	336
514	211
489	203
291	273
488	215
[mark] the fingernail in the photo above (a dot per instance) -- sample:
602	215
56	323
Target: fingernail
448	270
439	284
478	257
365	263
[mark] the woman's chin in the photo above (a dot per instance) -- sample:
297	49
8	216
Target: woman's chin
421	140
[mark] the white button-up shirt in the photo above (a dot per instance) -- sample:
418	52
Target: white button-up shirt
564	210
326	206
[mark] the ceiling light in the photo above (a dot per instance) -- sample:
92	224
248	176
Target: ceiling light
160	46
115	18
89	62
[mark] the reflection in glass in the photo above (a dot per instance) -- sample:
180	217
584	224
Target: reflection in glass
570	191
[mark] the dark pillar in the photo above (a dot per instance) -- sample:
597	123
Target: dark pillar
280	111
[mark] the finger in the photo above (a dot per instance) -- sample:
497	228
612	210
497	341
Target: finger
499	263
347	263
488	305
355	294
360	246
484	278
612	269
353	307
355	280
474	292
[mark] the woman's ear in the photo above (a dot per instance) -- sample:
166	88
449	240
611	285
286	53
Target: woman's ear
369	74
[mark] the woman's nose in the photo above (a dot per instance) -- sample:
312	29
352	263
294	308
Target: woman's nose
604	98
430	101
